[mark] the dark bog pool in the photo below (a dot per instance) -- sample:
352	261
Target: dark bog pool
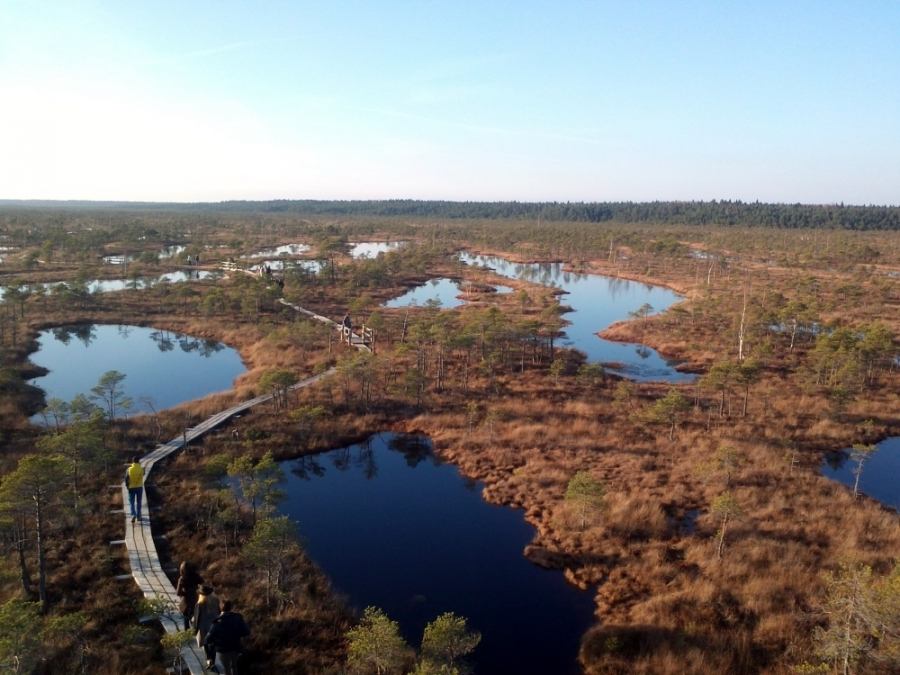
879	472
170	368
394	527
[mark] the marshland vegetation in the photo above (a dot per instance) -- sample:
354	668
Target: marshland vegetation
718	546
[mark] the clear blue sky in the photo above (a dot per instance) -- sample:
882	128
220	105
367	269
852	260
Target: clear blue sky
778	101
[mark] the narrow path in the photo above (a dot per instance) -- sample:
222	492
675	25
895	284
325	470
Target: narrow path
142	554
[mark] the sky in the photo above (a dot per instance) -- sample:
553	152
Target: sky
772	100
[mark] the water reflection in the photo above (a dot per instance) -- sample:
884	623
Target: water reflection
284	249
77	355
85	333
420	544
837	460
371	249
598	302
445	293
171	251
879	474
305	468
166	342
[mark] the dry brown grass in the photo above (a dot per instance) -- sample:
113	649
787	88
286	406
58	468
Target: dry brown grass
665	604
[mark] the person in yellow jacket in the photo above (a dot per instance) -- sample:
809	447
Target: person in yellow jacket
134	479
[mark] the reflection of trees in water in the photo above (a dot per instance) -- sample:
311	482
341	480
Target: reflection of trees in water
836	460
642	351
125	331
341	458
205	348
166	343
413	448
361	456
87	333
615	286
163	340
307	467
365	459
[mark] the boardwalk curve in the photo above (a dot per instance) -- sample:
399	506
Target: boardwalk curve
142	554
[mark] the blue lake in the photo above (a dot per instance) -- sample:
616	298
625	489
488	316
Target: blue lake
879	474
170	368
597	302
394	527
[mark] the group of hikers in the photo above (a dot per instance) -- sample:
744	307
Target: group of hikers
218	627
193	260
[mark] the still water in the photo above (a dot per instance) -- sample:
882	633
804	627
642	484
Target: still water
284	249
112	285
879	472
448	292
394	527
371	249
170	368
598	302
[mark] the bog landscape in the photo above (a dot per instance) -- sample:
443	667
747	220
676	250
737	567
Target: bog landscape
653	438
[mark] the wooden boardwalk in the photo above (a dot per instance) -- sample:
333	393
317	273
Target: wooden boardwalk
142	554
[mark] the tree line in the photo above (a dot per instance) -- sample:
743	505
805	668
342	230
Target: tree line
716	212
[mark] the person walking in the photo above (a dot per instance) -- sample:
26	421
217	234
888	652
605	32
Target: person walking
206	611
225	636
189	581
134	480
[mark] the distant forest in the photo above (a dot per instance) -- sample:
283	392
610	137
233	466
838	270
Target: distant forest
716	213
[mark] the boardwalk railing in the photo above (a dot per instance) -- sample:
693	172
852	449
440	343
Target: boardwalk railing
142	554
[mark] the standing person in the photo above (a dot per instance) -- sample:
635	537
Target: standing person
134	479
188	583
205	613
225	636
346	322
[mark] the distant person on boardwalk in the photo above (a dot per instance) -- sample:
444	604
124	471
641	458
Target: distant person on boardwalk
225	636
347	324
197	259
189	581
134	479
206	611
190	261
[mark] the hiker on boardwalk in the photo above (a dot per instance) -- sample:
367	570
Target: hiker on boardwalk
206	611
225	636
346	322
134	479
189	581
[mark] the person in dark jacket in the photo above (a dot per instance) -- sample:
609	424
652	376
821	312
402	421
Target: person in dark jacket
225	636
189	581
